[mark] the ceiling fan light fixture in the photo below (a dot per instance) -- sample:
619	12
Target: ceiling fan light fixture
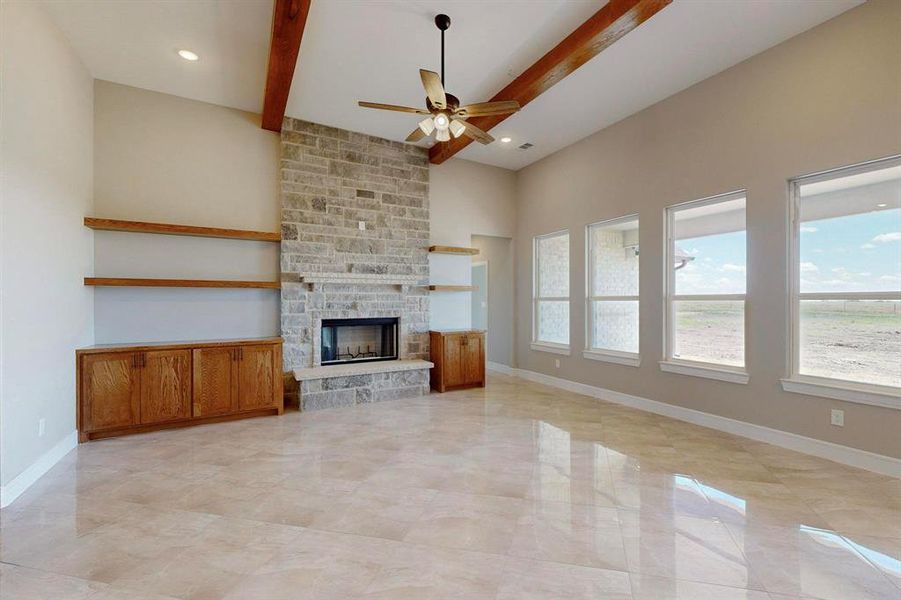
446	116
441	122
456	128
427	125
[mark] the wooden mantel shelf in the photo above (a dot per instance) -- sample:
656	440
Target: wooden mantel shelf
453	250
453	288
190	230
185	283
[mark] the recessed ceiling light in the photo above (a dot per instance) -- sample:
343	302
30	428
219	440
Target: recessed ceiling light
881	205
506	140
188	55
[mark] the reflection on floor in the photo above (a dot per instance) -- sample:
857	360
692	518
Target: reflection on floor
513	491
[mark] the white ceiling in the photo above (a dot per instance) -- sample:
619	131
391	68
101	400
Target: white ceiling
372	49
135	42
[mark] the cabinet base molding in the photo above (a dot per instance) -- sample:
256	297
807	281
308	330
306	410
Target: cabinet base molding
99	435
124	389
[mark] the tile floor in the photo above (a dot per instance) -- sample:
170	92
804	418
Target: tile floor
516	491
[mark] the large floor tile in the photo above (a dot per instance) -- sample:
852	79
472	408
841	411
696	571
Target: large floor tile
514	491
810	561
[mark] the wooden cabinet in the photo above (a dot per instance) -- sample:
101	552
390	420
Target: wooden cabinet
165	385
140	388
215	381
256	377
110	390
473	359
459	358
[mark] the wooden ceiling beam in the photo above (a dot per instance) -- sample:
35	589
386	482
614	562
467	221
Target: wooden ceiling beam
288	20
603	28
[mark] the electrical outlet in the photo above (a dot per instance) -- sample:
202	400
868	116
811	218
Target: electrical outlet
557	363
41	427
838	417
362	225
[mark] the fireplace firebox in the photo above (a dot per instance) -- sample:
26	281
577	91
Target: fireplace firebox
358	340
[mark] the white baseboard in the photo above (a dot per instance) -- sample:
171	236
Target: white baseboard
500	368
846	455
23	480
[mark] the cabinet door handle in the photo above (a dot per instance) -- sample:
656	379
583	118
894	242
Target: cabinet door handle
134	361
240	353
143	358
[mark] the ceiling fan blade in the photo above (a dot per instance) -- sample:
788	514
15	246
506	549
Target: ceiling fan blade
394	107
475	133
416	135
487	108
433	88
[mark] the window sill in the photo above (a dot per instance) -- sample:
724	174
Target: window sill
844	390
701	370
620	358
551	347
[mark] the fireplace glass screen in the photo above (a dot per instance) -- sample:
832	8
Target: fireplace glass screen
358	340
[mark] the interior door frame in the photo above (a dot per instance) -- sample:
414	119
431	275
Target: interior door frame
479	263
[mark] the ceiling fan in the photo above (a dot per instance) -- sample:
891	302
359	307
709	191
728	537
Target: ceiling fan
446	117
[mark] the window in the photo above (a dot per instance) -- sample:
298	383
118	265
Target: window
846	280
550	304
705	288
612	299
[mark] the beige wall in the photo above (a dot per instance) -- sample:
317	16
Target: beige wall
465	199
829	97
45	251
167	159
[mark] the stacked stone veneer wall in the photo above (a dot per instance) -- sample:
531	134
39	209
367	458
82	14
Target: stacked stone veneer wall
331	180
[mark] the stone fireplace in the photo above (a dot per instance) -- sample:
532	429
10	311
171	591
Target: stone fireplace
355	233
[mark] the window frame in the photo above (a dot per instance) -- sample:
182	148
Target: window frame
632	359
540	345
682	366
827	387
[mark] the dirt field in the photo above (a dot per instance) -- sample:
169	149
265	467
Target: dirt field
856	340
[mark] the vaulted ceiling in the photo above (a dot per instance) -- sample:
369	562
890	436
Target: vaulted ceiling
372	50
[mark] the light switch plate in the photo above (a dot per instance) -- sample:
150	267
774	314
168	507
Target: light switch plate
362	225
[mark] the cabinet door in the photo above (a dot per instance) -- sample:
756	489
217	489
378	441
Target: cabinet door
215	381
256	379
453	360
111	390
473	359
165	385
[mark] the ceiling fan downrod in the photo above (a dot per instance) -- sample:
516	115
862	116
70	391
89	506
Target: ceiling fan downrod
442	22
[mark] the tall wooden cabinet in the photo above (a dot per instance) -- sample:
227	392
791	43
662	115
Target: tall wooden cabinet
459	357
127	389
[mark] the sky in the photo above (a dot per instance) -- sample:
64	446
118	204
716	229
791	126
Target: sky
718	267
859	253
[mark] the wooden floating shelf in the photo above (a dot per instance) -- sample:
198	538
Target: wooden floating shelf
453	250
189	230
453	288
182	283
